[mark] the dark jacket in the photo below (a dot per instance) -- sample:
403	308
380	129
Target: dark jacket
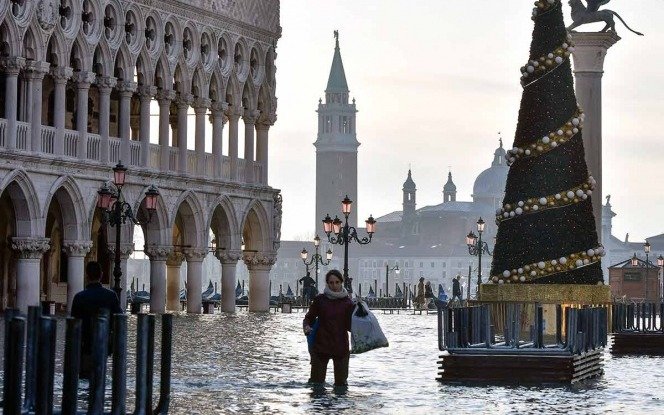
86	306
335	316
456	288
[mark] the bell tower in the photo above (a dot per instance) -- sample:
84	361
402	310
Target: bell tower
336	146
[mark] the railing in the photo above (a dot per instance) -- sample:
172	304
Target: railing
469	330
22	134
135	153
258	171
241	163
225	167
94	146
638	318
155	156
114	149
209	165
3	133
47	139
192	161
71	143
173	158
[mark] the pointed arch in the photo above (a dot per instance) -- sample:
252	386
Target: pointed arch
181	82
102	60
144	70
199	88
56	50
9	35
79	57
162	74
26	203
222	219
233	96
68	194
255	227
217	92
189	210
264	102
124	66
248	96
157	231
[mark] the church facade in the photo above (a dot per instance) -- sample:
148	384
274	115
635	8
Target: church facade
170	89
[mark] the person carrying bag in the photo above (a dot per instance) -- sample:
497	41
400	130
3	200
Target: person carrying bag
365	332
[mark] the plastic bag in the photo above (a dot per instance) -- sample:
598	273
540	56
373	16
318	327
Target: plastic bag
311	337
365	332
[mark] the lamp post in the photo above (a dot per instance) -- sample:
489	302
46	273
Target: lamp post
316	258
116	211
660	264
346	234
646	249
387	277
477	247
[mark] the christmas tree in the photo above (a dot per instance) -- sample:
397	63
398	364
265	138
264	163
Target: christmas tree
546	228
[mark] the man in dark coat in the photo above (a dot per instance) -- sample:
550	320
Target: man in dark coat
86	306
456	289
309	290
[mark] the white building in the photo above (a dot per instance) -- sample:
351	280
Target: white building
169	88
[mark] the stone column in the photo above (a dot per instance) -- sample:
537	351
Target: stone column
164	97
259	265
145	93
83	81
228	261
60	78
126	90
12	67
249	118
233	119
589	52
262	130
183	104
105	86
218	120
28	270
195	259
125	252
76	252
173	264
158	256
200	107
36	72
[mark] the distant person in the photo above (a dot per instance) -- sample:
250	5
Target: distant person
309	289
333	309
86	306
428	291
420	298
456	289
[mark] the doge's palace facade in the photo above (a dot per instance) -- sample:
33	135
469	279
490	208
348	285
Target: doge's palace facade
79	82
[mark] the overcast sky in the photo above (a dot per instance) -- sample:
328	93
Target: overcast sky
435	81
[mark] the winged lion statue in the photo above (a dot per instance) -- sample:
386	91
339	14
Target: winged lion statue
590	14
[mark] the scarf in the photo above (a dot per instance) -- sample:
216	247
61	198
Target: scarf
335	295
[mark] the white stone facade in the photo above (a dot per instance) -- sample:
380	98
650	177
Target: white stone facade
78	79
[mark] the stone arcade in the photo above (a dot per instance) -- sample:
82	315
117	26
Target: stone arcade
79	81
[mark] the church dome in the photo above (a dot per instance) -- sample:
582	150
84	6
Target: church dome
491	182
409	184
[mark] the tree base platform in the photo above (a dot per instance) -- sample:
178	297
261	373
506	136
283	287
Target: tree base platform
638	343
571	294
520	368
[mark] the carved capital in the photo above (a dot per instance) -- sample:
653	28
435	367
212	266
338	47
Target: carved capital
250	116
126	88
183	101
201	105
218	108
146	91
30	248
61	74
106	84
195	254
83	79
158	252
125	250
590	50
13	65
76	248
258	260
228	256
175	259
37	69
165	96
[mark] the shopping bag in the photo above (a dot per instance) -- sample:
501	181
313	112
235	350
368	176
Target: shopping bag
311	337
365	332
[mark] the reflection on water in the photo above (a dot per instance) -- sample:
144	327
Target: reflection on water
248	363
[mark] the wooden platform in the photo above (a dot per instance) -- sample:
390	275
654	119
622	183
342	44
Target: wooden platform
638	343
519	369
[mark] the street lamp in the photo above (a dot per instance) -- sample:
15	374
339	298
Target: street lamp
635	260
346	234
476	248
387	277
316	258
116	211
646	249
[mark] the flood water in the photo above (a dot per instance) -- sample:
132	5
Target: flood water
251	363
